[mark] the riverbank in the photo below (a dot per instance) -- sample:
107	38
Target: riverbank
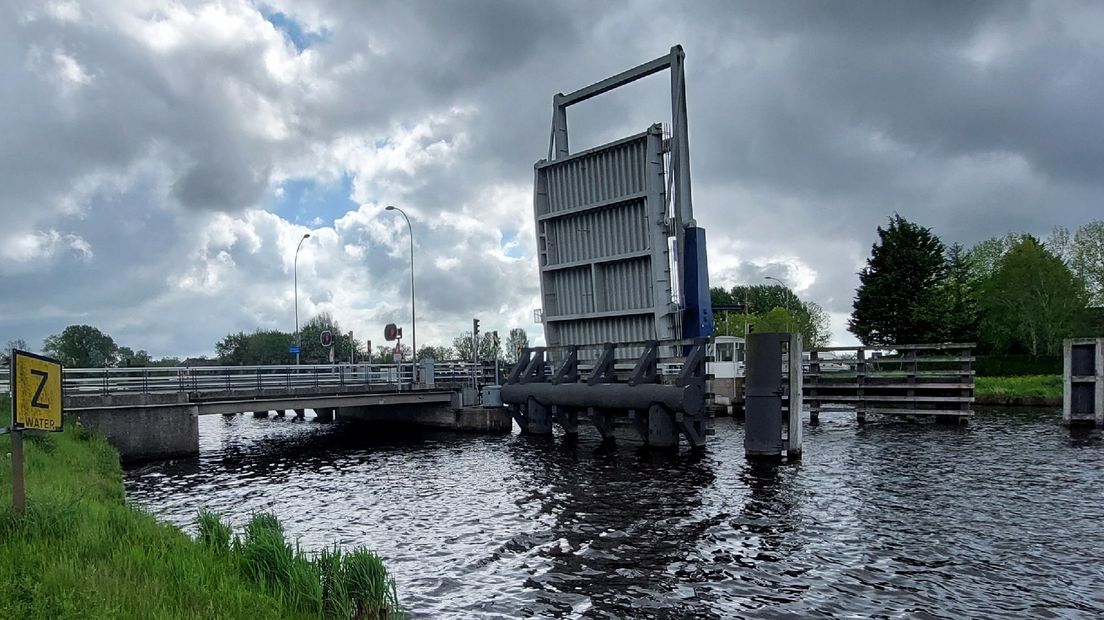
82	552
1030	390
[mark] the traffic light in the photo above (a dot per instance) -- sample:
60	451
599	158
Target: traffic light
475	339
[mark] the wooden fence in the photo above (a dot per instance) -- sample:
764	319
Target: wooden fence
928	380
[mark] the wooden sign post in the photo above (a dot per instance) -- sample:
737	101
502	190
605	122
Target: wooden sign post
36	405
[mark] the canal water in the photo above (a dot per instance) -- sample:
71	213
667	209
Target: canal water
1000	518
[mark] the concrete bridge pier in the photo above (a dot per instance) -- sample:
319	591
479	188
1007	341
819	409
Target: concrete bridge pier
441	415
323	414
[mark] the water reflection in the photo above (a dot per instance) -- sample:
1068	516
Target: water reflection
997	519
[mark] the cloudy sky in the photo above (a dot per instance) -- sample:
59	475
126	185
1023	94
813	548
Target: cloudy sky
160	160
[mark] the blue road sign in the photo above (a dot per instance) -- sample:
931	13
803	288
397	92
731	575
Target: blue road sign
293	349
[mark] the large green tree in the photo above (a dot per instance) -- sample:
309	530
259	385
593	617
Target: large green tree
437	354
1031	301
898	300
958	293
806	317
262	347
462	345
982	259
82	346
17	344
515	342
128	358
1088	259
312	351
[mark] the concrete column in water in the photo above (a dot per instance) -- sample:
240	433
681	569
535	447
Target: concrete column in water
663	432
1083	381
763	417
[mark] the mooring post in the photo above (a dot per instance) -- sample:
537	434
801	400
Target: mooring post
793	425
763	406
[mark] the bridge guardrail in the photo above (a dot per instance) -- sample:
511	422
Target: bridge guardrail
155	379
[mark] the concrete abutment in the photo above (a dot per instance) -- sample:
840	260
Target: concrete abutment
146	432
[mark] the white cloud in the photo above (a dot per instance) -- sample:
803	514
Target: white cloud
38	251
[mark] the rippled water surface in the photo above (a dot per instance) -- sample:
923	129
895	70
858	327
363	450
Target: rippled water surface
1002	518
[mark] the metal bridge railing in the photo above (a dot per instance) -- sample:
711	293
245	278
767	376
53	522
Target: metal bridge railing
193	379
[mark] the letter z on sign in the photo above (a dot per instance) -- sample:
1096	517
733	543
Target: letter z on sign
36	394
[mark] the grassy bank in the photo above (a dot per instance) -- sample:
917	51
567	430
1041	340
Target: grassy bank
1023	390
82	552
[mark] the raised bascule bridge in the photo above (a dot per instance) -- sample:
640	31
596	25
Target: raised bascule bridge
623	279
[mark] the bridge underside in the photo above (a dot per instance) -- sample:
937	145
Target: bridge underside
159	426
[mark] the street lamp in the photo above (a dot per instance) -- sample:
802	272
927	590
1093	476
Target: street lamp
788	314
413	324
295	279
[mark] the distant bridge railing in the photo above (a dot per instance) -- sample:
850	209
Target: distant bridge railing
196	379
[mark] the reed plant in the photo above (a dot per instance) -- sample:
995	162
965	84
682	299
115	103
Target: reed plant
330	584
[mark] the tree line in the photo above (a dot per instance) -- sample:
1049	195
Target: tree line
1013	294
85	346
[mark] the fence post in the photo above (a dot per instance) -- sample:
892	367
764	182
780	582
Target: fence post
860	405
814	376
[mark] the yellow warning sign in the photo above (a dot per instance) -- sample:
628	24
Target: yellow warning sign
36	392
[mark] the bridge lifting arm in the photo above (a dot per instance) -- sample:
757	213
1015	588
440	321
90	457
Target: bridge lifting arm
680	143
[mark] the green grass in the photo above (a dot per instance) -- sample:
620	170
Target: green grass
82	552
1008	389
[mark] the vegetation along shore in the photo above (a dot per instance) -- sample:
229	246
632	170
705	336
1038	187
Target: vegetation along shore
82	552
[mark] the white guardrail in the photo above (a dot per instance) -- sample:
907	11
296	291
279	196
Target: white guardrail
155	379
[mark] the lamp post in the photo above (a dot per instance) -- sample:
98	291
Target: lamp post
295	279
413	323
788	315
